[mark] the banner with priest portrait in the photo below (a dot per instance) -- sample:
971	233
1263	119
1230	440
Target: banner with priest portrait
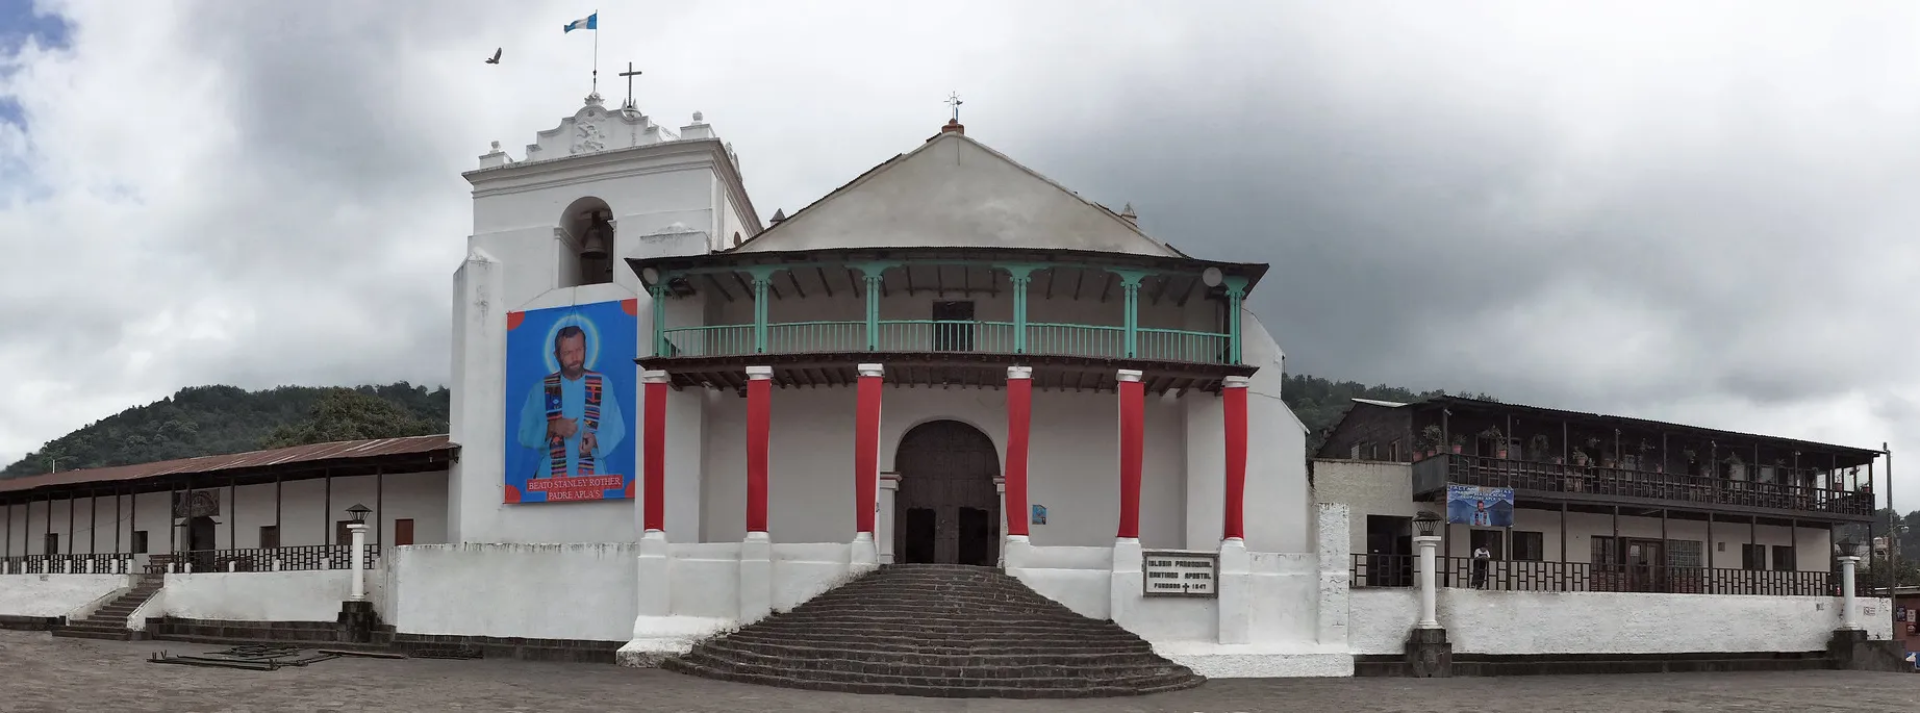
570	415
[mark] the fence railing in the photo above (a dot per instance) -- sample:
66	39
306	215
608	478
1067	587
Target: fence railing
272	559
947	336
1372	570
67	564
1434	473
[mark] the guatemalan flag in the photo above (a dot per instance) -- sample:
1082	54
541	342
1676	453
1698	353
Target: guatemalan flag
590	22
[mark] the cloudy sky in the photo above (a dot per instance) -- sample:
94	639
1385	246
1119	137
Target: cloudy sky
1697	211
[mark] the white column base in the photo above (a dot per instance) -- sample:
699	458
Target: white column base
865	556
756	577
656	575
1015	552
1234	592
1129	580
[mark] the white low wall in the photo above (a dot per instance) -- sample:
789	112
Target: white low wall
302	595
572	591
55	594
1511	623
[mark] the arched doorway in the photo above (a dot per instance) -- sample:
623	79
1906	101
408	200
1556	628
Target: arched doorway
947	511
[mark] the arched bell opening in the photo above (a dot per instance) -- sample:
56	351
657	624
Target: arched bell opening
586	243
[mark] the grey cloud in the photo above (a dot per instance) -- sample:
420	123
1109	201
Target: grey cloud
1469	198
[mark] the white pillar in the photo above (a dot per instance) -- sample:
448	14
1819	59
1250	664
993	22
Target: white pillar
883	524
357	531
1849	620
1429	618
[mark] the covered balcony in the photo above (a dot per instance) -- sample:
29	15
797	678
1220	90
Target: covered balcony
948	317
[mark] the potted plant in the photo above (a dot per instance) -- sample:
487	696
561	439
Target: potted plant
1459	443
1430	440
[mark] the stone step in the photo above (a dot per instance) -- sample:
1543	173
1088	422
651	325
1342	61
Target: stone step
998	688
995	630
914	602
939	644
847	669
937	631
765	653
73	632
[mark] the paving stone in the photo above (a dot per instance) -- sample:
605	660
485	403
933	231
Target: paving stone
48	675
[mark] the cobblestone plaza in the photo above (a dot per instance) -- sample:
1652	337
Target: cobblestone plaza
46	674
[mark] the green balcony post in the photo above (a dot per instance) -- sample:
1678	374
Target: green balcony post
762	276
1021	275
1236	289
1130	285
872	274
659	292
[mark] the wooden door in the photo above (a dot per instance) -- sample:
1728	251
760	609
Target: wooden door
946	469
403	532
1645	560
952	326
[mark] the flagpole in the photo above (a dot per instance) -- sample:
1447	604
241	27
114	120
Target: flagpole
596	51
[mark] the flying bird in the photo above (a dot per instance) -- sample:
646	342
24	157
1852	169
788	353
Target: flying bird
496	56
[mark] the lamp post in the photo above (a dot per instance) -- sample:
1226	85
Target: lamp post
1850	551
1427	522
357	535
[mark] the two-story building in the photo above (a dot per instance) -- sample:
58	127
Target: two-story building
1599	503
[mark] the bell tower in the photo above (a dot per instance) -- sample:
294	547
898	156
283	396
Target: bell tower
553	229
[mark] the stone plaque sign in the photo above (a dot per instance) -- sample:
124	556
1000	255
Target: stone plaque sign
1181	574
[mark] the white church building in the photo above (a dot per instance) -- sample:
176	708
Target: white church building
676	434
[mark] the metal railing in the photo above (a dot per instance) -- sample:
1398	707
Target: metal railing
272	559
1432	475
948	336
67	564
1373	570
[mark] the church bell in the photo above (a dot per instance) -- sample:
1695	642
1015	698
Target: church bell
593	245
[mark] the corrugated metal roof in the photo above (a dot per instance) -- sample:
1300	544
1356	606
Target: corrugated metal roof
337	450
1376	402
1462	401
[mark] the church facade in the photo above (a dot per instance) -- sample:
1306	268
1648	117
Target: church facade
951	359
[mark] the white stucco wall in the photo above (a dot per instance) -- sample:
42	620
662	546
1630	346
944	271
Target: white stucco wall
308	511
1492	622
573	591
313	595
54	594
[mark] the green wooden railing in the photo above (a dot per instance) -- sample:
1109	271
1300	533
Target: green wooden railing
936	336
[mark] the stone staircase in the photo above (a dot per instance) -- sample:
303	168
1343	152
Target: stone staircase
110	621
938	630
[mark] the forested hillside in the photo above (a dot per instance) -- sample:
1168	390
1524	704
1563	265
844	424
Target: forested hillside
1321	402
213	420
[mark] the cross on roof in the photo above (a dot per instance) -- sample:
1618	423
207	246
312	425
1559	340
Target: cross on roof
954	99
630	74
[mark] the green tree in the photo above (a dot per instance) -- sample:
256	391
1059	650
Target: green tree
208	420
349	415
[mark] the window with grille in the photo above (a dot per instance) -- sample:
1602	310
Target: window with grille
1783	558
1529	546
1684	553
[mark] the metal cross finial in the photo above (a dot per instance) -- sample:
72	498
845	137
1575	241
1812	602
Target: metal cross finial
954	99
630	74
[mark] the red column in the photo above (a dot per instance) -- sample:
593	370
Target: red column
1133	408
1233	399
653	465
866	448
1019	423
759	423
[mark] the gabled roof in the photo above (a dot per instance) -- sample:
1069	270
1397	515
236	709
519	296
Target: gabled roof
953	191
335	452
